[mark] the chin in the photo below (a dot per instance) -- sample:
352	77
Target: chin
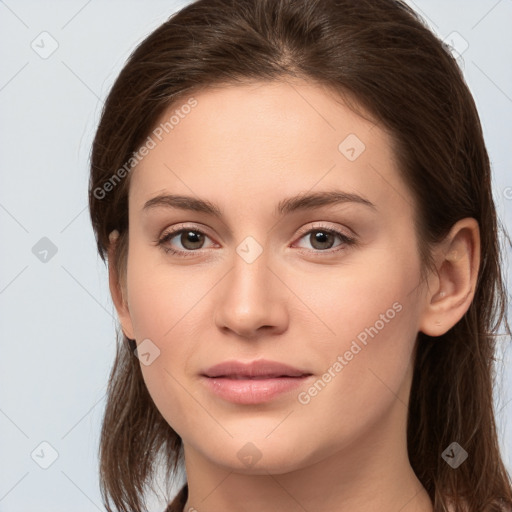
260	456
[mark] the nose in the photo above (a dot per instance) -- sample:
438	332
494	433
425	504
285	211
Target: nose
251	300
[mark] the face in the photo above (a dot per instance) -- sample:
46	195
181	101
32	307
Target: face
328	285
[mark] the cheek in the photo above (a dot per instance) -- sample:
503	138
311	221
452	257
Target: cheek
359	297
161	295
365	379
165	308
371	315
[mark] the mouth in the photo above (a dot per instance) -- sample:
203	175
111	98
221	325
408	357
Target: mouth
258	369
254	382
258	377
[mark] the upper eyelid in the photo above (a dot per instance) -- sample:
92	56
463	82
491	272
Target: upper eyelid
176	230
316	225
323	225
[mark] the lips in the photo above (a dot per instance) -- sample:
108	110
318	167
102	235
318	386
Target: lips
261	369
252	383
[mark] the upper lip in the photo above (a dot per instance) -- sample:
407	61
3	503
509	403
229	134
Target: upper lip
259	368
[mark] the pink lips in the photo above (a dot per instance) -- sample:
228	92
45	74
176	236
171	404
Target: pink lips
254	382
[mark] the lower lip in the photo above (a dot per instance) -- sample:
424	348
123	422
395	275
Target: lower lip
252	391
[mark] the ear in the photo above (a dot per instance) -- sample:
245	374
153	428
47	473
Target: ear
453	289
116	290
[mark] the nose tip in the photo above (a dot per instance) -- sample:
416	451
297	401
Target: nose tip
247	330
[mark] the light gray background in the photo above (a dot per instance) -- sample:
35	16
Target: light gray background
57	331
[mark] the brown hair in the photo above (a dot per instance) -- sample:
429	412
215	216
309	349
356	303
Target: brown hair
380	53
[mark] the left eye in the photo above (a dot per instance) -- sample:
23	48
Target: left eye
322	239
189	238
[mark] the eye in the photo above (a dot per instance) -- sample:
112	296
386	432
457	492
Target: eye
190	239
322	239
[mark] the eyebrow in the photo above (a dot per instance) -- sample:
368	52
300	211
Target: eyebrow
304	201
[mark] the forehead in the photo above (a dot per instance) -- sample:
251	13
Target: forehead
265	138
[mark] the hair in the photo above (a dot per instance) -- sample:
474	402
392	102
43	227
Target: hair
380	54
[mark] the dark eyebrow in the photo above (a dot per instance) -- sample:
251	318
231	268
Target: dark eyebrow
182	203
312	200
303	201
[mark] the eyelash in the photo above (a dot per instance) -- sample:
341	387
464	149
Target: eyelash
346	241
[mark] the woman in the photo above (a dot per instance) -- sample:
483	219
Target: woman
295	201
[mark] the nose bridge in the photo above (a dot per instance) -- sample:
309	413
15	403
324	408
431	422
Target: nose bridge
249	297
251	266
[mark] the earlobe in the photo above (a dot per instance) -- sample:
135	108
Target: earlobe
458	262
116	291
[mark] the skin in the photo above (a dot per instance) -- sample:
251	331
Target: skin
245	148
